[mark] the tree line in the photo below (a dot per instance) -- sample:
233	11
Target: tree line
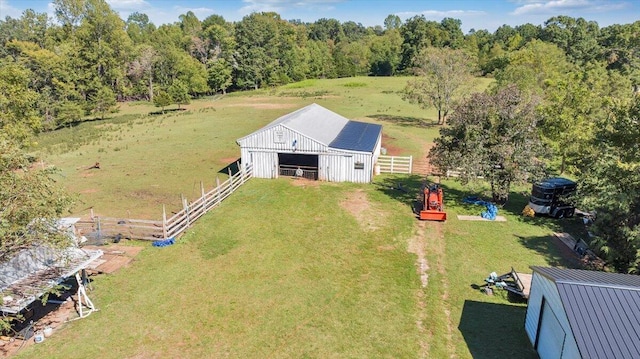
89	57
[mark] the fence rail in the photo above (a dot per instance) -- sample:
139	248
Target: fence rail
395	164
190	212
108	227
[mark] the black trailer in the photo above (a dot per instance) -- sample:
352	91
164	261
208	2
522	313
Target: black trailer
551	197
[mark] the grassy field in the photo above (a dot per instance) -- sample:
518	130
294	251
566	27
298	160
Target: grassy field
286	268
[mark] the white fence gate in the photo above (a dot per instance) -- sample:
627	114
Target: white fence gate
395	164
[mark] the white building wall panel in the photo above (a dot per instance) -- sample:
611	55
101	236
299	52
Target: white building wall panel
376	150
265	164
541	286
341	167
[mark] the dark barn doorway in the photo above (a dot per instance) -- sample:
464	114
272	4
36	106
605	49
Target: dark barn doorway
297	165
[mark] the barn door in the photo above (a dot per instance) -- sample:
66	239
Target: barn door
551	336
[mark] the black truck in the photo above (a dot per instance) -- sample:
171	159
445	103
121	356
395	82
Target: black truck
550	197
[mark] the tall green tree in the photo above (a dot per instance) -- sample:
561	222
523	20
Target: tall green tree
392	21
385	53
19	117
578	38
621	50
179	93
104	46
103	101
567	117
494	136
417	34
219	75
444	76
162	99
326	29
266	51
532	66
610	185
139	28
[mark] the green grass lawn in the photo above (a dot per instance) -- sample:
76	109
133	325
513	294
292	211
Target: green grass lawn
284	269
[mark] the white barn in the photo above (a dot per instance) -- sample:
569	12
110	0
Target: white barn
576	313
314	143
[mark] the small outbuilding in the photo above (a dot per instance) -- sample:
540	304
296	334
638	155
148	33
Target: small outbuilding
315	143
583	314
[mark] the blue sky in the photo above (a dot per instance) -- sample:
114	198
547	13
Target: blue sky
477	14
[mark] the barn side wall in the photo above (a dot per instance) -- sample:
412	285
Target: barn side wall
376	152
338	166
541	286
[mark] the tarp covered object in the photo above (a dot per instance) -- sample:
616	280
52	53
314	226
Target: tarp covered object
492	209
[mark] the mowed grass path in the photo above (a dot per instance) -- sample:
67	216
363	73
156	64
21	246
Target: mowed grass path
278	271
282	270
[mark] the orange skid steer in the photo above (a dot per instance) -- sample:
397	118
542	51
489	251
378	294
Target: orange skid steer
432	200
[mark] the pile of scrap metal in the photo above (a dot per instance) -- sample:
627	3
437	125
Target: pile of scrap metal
513	282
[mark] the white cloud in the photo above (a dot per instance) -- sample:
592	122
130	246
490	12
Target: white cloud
281	6
554	7
439	15
7	10
200	12
128	4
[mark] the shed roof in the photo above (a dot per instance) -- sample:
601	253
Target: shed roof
328	128
603	310
31	272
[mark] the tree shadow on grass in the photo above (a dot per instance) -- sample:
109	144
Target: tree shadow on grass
404	189
160	112
495	330
555	252
406	121
407	189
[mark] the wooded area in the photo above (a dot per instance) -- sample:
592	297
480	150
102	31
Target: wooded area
563	100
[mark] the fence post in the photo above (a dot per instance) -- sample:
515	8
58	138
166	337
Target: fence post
410	164
392	158
240	172
185	206
164	222
230	178
217	190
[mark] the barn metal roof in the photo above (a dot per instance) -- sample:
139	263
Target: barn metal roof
313	121
357	136
328	128
603	310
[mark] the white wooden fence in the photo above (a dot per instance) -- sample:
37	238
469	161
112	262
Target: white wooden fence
395	164
190	212
108	227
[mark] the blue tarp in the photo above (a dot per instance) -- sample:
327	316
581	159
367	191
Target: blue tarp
490	213
164	242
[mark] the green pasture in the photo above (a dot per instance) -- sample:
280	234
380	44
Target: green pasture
285	268
148	159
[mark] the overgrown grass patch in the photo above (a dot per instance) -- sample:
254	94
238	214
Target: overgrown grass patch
355	84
